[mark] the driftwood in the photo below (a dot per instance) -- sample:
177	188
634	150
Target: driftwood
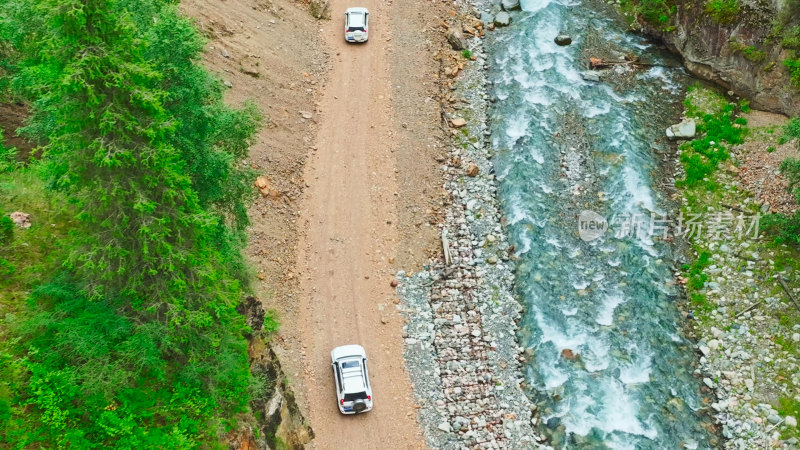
445	247
788	292
735	208
598	63
749	309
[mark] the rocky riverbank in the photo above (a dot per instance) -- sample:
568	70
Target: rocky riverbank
461	336
742	291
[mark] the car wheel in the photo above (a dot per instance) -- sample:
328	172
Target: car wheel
359	406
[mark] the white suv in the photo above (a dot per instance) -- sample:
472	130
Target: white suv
353	392
356	25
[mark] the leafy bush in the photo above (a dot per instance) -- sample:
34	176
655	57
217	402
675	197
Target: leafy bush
791	131
97	377
702	156
723	12
657	13
794	70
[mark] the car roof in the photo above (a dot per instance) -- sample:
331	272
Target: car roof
348	350
356	17
353	379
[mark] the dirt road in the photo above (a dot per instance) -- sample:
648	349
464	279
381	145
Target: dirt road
348	238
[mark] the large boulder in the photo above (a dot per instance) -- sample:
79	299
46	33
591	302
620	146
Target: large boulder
320	9
563	39
456	38
510	5
684	130
502	19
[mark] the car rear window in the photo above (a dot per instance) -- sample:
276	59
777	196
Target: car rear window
350	364
355	396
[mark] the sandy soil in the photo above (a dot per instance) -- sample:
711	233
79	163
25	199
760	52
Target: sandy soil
353	191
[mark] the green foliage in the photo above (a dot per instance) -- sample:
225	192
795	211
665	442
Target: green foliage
791	131
789	406
724	12
696	276
748	51
790	39
466	53
702	156
6	228
136	342
97	377
7	156
794	70
744	106
657	13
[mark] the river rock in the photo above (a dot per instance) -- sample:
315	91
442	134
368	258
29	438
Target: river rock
444	426
473	170
774	419
510	5
790	421
796	337
458	122
563	39
456	38
502	19
684	130
590	75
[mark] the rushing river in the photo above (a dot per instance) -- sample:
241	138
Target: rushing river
608	365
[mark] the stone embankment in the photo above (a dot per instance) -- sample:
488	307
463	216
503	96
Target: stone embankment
461	342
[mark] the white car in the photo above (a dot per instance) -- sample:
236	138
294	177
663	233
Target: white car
356	25
353	392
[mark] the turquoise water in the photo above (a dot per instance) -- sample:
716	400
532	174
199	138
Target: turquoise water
609	366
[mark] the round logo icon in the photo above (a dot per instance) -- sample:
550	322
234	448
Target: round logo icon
591	225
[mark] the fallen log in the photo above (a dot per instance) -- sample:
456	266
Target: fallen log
788	292
749	309
597	63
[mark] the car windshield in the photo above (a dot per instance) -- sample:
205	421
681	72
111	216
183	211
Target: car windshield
355	396
350	364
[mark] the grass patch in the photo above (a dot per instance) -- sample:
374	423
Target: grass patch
27	254
466	54
718	129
